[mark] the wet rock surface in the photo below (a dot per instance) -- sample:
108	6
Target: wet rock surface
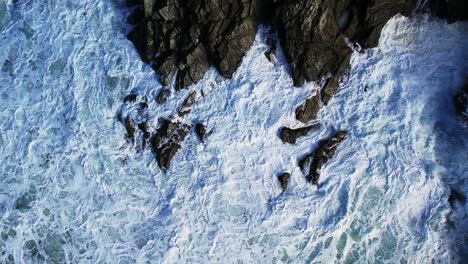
288	135
162	96
284	180
313	162
200	129
187	104
166	141
190	36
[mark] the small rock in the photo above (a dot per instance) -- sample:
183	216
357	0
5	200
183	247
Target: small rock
143	105
162	96
130	98
188	102
289	135
271	53
130	127
284	180
200	129
166	141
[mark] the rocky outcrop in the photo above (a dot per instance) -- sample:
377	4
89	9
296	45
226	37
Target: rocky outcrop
315	34
284	180
166	141
288	135
182	39
313	162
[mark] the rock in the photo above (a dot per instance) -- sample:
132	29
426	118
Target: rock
130	127
137	16
271	53
166	141
312	34
200	129
161	98
290	136
130	98
313	162
144	128
188	102
451	10
456	196
192	35
309	110
284	180
460	101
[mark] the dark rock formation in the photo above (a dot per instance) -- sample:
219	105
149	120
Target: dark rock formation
189	36
309	110
313	162
456	196
130	98
312	35
289	135
200	129
284	180
161	98
130	127
460	101
452	10
188	102
166	141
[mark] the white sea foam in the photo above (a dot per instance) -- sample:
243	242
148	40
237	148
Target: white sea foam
71	183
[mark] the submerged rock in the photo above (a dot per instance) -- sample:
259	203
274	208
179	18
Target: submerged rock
284	180
313	162
289	135
200	129
460	101
166	141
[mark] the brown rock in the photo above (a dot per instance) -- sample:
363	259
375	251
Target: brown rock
290	136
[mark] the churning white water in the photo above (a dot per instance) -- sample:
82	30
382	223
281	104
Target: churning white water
73	190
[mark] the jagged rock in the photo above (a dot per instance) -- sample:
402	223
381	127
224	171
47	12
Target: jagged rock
161	98
144	128
188	102
130	127
166	141
309	110
289	135
192	35
460	101
312	34
200	129
284	180
313	162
